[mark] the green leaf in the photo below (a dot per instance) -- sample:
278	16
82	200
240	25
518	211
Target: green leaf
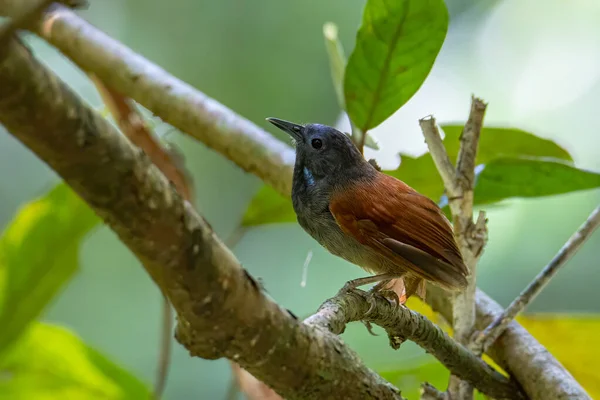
395	49
504	142
49	362
337	66
421	173
38	254
513	177
267	207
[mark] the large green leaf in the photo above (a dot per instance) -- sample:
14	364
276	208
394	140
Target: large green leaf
49	362
337	65
504	142
419	172
395	49
38	254
521	177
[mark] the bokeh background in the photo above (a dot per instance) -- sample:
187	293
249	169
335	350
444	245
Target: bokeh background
537	63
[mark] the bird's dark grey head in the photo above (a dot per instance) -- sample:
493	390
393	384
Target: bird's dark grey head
322	150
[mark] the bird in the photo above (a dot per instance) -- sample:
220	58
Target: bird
369	218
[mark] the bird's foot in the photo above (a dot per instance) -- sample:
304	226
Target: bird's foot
389	295
354	283
380	289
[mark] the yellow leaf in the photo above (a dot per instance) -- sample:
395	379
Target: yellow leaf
572	339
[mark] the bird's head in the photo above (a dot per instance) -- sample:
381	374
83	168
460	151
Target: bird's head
322	150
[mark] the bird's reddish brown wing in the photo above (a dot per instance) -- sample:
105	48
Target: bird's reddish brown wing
402	225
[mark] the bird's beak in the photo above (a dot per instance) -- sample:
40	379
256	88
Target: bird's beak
292	129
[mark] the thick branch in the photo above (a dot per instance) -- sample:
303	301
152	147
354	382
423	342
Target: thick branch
258	152
497	327
173	100
405	324
221	309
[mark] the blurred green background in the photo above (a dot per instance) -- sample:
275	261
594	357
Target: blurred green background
537	63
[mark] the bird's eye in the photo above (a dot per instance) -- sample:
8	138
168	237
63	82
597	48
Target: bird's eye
316	143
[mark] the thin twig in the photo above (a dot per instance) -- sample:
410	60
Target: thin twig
493	331
439	154
469	143
404	324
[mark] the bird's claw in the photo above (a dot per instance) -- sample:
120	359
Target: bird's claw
389	295
392	298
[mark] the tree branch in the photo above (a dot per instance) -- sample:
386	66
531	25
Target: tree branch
491	333
404	324
176	102
541	376
254	150
439	155
471	238
221	310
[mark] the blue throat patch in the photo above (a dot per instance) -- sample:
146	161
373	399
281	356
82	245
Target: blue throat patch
308	177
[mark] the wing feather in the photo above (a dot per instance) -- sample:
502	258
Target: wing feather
404	226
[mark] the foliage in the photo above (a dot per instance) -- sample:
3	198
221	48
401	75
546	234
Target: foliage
49	362
39	252
396	46
511	163
395	49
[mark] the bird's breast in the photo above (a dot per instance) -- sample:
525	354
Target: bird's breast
324	229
